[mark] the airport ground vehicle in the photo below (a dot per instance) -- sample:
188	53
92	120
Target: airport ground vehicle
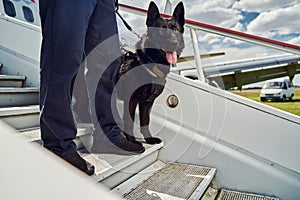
277	90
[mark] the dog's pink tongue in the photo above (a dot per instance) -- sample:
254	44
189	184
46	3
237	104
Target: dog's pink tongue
171	57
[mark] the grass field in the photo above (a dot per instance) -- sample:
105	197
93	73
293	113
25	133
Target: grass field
289	106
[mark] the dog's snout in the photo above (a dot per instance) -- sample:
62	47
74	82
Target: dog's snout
174	43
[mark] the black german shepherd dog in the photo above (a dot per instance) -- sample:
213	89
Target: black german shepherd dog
142	75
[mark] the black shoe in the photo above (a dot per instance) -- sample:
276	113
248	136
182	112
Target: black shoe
123	147
134	147
80	163
131	139
153	140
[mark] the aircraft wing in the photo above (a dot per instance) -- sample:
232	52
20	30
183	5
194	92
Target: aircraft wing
247	71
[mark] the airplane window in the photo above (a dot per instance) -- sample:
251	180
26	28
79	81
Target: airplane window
28	14
9	8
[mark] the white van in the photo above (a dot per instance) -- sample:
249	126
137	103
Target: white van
277	90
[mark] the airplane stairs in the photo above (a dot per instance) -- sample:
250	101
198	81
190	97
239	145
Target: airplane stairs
142	176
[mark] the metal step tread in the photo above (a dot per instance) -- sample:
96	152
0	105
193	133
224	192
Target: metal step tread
12	77
235	195
19	110
17	115
137	179
19	90
175	181
17	96
34	134
109	164
12	81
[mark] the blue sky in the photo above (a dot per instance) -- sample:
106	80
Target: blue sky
274	19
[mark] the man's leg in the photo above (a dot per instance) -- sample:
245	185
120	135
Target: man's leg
64	26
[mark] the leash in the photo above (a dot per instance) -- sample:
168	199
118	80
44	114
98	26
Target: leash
124	21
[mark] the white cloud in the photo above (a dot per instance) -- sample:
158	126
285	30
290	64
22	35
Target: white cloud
263	5
238	27
212	4
295	41
277	22
209	38
141	4
138	23
213	12
219	16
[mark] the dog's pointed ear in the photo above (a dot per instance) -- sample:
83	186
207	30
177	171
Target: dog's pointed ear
178	14
153	14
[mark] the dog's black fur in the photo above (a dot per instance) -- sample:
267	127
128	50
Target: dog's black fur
142	75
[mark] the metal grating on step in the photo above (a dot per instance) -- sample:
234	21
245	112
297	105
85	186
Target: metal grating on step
175	181
234	195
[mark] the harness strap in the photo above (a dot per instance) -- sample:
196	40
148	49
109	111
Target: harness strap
158	72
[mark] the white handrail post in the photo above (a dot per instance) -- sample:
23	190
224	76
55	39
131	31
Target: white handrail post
168	7
197	55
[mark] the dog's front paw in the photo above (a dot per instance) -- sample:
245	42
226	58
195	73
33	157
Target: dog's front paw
153	140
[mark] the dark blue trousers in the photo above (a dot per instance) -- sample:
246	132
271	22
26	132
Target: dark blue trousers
70	29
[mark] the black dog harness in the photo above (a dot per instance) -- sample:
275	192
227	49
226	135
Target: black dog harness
157	76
